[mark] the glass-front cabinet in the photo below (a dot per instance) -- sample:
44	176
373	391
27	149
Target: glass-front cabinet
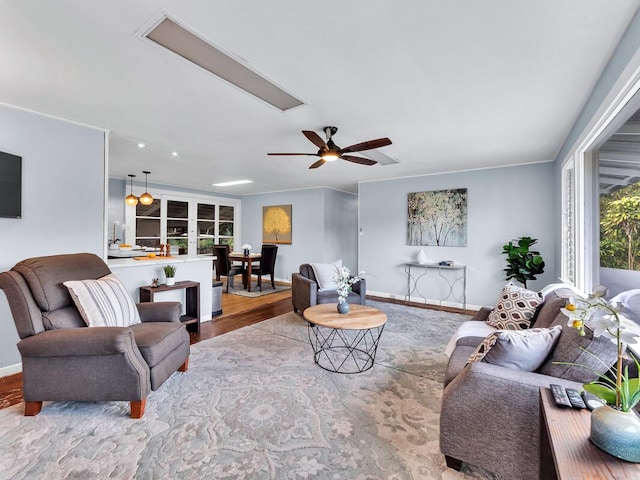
190	225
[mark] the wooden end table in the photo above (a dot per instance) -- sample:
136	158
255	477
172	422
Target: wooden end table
191	318
344	343
564	441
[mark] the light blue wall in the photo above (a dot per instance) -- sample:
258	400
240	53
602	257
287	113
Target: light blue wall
324	227
624	52
62	196
503	204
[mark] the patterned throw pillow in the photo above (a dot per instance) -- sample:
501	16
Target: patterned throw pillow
104	302
515	309
523	350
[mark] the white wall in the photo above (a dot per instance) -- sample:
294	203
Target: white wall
63	194
503	204
324	227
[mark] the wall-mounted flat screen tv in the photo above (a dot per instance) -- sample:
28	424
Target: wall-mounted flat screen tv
10	186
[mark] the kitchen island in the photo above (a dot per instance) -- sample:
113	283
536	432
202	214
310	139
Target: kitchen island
139	273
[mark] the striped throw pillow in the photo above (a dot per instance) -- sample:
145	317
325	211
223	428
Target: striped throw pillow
104	302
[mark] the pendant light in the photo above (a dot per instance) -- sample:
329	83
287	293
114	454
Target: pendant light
146	198
131	199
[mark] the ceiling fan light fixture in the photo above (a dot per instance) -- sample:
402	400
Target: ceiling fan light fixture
131	199
330	156
146	198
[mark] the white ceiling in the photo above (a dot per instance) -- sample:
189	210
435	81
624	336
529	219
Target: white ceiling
456	85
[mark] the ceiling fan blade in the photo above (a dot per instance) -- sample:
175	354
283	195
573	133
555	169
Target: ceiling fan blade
360	160
307	154
359	147
319	163
314	138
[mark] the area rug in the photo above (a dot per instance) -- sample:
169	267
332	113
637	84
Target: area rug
238	289
253	405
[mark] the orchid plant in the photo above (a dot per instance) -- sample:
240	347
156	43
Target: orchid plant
344	282
606	320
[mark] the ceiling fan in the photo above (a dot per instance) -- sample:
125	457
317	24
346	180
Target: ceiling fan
329	151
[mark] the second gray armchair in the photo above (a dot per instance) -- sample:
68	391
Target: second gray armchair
305	291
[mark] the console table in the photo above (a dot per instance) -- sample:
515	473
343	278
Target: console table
459	277
564	443
191	318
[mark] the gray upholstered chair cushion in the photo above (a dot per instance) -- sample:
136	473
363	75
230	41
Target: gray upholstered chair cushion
45	276
550	309
157	340
571	348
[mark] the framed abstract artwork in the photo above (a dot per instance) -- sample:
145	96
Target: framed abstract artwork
437	218
276	224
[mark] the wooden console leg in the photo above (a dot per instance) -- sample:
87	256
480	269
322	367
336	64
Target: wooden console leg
32	408
137	408
184	366
453	462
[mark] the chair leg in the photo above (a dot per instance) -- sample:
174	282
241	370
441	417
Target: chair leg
31	409
184	366
137	408
273	284
260	280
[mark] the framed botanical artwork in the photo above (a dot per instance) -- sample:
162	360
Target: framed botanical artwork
276	224
437	218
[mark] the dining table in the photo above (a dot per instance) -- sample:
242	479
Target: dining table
247	260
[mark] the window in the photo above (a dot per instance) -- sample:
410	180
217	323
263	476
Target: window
177	233
192	224
148	224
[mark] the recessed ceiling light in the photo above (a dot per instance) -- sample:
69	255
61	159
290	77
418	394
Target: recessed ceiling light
234	182
181	41
142	145
174	154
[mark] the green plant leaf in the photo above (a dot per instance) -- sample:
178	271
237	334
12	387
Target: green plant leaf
601	391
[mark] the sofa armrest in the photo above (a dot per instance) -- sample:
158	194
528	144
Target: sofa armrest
304	292
160	311
73	342
481	315
491	415
361	289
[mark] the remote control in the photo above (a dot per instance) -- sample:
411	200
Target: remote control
575	398
591	401
559	395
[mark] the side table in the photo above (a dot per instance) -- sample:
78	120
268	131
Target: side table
564	443
191	318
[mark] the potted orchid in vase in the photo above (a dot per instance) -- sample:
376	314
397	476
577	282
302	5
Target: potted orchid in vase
344	282
615	427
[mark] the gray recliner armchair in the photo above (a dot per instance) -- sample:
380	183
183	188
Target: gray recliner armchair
64	360
305	293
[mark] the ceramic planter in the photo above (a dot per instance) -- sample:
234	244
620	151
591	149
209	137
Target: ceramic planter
616	432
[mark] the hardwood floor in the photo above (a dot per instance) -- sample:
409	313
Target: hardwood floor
237	312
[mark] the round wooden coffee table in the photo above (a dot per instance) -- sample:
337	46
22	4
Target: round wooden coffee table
344	343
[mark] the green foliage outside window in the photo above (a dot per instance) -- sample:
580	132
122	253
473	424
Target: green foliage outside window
620	228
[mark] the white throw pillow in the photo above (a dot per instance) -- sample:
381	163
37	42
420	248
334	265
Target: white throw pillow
325	273
104	302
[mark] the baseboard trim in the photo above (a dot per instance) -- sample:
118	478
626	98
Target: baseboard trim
422	301
10	370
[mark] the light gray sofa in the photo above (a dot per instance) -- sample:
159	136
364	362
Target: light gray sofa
63	359
490	415
305	293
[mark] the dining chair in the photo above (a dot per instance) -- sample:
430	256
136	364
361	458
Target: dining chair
223	265
267	264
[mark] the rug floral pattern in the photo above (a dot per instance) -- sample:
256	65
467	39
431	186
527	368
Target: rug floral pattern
253	405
